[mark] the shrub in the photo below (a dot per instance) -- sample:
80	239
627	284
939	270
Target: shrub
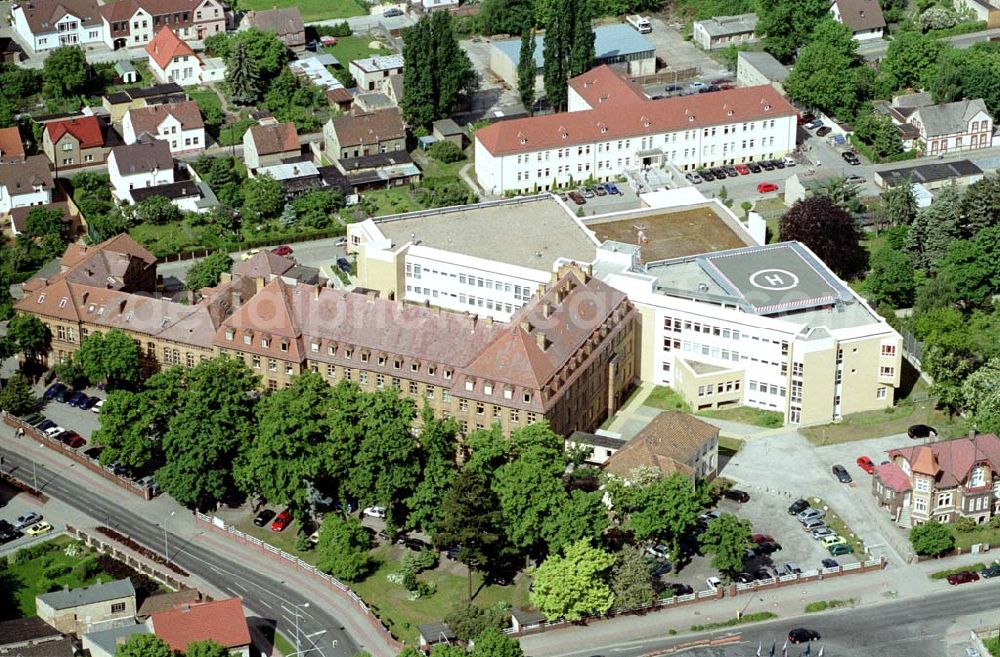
965	525
995	522
56	570
302	543
932	538
445	151
27	554
86	569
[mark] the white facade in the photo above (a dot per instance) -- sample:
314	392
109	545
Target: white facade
170	131
140	30
370	71
184	70
67	31
605	160
123	184
38	195
865	34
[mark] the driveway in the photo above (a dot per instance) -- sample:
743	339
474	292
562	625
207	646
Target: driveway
678	53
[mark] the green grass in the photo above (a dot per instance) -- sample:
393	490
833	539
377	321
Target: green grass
173	238
941	574
403	615
391	201
729	446
354	47
981	534
666	398
823	605
436	169
743	620
312	10
993	645
283	645
29	579
873	424
232	133
282	540
746	415
841	528
206	99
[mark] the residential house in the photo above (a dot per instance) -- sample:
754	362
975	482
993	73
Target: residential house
372	101
11	147
448	130
187	194
364	134
371	71
24	632
75	611
178	124
105	642
981	10
941	481
131	23
963	125
122	101
285	23
725	31
264	145
172	60
379	171
70	217
76	142
755	68
863	17
146	163
49	24
598	447
25	184
673	442
221	621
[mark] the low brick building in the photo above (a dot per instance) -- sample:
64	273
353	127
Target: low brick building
74	611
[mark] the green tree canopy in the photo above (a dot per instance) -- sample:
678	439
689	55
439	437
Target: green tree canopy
144	645
970	270
572	585
981	397
891	279
979	206
666	509
788	24
263	198
16	396
911	60
829	231
206	648
207	271
64	72
317	209
506	16
526	71
437	71
43	221
343	547
30	335
827	70
879	132
111	358
438	447
157	210
630	578
934	229
242	75
727	538
468	621
932	538
494	643
124	430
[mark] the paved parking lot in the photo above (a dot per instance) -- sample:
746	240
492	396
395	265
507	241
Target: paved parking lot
84	422
627	200
679	54
16	504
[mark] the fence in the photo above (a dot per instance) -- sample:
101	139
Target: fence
668	76
51	442
105	546
219	526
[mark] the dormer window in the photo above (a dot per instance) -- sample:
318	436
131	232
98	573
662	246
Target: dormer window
603	127
62	302
526	398
229	335
447	375
414	368
247	339
381	361
469	386
265	342
729	112
508	393
347	354
364	357
431	370
690	117
331	350
314	346
978	477
488	389
284	346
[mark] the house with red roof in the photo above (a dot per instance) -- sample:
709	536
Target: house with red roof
221	621
172	60
75	142
613	127
11	147
941	481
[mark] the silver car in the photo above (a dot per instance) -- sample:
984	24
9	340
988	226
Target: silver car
822	531
27	520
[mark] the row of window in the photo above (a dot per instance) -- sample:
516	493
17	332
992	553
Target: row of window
766	388
719	388
670	344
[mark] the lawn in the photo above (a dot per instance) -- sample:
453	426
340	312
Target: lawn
312	10
993	645
390	201
206	99
834	522
402	615
435	169
49	569
981	534
665	398
173	238
355	47
746	415
232	133
873	424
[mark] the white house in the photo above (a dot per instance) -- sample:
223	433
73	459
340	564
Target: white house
179	124
24	184
616	128
172	60
370	71
724	31
146	163
964	125
130	23
48	24
863	17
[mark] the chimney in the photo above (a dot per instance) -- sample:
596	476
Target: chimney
319	289
546	310
121	305
226	277
370	295
972	434
83	299
475	321
237	299
543	344
526	326
489	320
260	283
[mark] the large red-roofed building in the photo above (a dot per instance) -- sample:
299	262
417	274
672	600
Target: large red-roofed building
612	126
221	621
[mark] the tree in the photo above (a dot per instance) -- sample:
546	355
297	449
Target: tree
932	538
471	520
506	16
879	132
911	60
439	64
980	205
446	151
572	585
666	509
32	338
581	515
316	209
934	229
826	72
158	211
207	271
788	24
938	17
727	539
890	279
205	648
343	547
438	446
981	397
829	231
111	358
144	645
209	431
556	49
263	198
64	72
468	621
494	643
630	578
970	270
43	221
242	76
526	70
263	48
16	396
582	51
124	430
899	205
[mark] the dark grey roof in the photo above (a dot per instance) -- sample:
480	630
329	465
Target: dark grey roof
765	64
447	127
333	177
156	91
950	118
23	630
928	173
303	274
107	640
586	438
172	191
57	648
375	161
525	617
144	156
436	632
121	588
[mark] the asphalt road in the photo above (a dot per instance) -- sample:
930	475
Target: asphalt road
266	596
894	629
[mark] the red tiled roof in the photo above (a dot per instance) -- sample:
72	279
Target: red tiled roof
634	118
221	621
607	85
11	147
952	460
892	476
165	46
148	119
85	129
667	444
338	96
275	138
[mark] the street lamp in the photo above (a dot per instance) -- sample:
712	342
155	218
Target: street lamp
297	613
744	610
166	545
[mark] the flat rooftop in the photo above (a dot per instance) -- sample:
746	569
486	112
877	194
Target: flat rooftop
531	232
670	233
610	41
929	173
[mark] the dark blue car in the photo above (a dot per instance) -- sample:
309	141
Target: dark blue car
612	188
53	390
63	395
78	399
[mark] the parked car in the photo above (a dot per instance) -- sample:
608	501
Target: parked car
744	578
706	175
27	519
77	399
713	583
823	532
53	390
697	85
328	40
866	464
72	439
813	524
810	514
802	635
246	255
612	188
855	179
660	568
815	123
588	192
44	425
94	453
344	265
577	197
283	250
281	521
263	517
33	418
963	577
658	551
806	118
830	541
374	512
788	161
824	131
791	568
98	405
990	571
8	535
921	431
842	475
743	169
38	529
840	549
851	158
731	171
797	507
600	190
694	178
754	167
830	563
762	538
737	495
392	12
52	432
64	395
766	188
766	548
767	165
671	88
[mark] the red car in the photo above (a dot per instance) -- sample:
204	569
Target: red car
281	521
282	250
963	577
743	169
764	188
866	464
762	538
72	439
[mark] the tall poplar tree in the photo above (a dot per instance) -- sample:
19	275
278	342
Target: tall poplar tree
436	70
526	70
569	48
582	50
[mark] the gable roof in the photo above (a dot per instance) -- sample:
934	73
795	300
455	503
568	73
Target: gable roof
667	444
605	84
282	21
85	129
370	128
265	263
165	46
727	25
950	462
948	118
149	119
860	15
275	138
144	156
115	590
221	621
11	148
892	475
23	177
42	15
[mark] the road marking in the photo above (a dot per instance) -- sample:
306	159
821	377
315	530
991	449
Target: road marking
240	586
265	603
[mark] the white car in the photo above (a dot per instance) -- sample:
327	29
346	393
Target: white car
789	162
97	407
375	512
52	432
713	583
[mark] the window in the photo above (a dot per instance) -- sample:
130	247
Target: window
944	499
256	361
247	339
922	485
920	504
272	365
331	370
881	393
463	405
117	607
264	342
888	350
978	477
379	380
886	372
363	378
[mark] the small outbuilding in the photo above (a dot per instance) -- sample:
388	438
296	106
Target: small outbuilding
448	130
126	71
